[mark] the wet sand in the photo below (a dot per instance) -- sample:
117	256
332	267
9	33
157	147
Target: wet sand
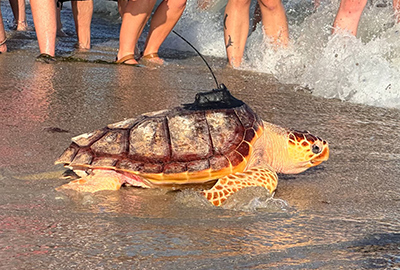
343	214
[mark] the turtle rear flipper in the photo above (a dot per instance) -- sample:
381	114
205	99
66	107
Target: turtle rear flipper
98	180
73	174
230	184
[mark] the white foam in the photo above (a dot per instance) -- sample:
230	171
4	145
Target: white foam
106	7
202	29
361	70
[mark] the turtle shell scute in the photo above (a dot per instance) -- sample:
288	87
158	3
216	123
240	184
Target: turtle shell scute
113	142
176	143
226	130
69	154
247	117
244	149
130	165
82	157
219	162
175	167
104	162
153	168
189	136
87	139
149	140
198	165
125	124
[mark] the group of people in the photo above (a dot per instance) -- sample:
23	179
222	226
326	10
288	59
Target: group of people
83	8
136	13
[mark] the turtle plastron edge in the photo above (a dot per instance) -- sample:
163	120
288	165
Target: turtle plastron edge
226	186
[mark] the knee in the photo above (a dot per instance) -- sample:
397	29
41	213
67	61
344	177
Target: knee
240	3
270	4
176	4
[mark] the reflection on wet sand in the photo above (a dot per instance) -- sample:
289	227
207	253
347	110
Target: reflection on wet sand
24	109
343	214
129	200
13	228
29	104
136	87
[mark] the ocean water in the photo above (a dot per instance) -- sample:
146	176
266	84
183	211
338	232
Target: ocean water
362	69
343	214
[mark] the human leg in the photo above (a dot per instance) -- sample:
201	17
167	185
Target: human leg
134	19
396	7
3	37
236	29
274	21
18	9
348	16
162	23
83	12
60	31
44	18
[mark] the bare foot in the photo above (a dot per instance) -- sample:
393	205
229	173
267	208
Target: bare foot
82	47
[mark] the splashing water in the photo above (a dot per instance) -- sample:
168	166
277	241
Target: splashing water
363	69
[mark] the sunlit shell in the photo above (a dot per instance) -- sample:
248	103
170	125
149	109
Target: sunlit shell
171	147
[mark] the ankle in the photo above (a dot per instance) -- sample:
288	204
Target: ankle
21	25
3	46
84	44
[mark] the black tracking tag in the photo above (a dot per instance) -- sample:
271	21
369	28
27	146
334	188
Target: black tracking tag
219	98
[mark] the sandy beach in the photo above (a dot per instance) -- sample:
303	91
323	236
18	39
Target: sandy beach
343	214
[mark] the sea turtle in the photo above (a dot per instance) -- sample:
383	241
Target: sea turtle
218	139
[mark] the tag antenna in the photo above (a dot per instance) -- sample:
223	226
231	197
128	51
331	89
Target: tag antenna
212	73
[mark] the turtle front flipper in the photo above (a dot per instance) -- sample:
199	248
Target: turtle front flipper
97	180
230	184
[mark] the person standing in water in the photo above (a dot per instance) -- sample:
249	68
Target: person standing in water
236	26
44	13
135	15
82	12
18	9
349	15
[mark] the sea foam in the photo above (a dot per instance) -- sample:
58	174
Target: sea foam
362	69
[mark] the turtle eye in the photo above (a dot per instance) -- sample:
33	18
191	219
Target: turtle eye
316	149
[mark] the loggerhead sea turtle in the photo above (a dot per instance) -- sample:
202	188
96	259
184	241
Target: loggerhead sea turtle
218	139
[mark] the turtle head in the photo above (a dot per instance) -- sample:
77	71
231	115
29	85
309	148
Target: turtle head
305	151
